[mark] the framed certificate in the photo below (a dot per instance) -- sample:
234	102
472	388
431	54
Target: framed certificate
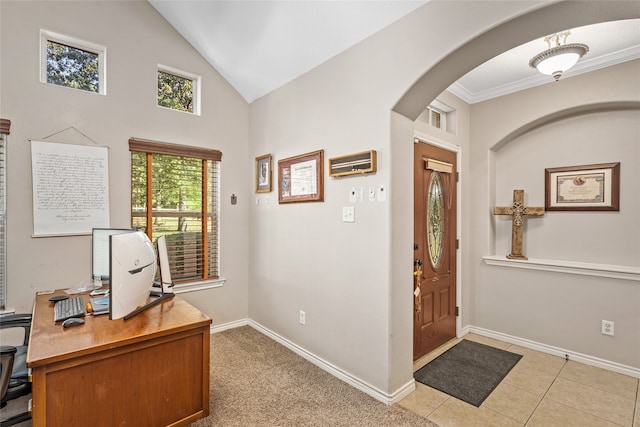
583	188
300	178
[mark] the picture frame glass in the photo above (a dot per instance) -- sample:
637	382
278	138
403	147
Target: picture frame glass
263	174
300	178
589	187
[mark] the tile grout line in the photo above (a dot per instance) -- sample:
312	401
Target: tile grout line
566	360
438	407
577	409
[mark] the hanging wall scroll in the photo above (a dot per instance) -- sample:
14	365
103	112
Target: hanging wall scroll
70	188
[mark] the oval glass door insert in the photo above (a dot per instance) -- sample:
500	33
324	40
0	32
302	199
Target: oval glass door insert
435	219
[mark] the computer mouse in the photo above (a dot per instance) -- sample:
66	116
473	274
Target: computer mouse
74	321
57	298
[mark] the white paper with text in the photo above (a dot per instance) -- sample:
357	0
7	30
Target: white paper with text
70	188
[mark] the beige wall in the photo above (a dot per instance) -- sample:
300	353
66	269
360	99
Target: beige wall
137	38
578	121
303	256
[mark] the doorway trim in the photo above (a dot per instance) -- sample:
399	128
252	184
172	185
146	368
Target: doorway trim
426	139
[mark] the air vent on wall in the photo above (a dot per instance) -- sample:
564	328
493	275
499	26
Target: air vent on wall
358	163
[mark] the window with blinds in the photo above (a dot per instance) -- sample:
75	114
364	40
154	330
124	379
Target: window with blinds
175	192
4	131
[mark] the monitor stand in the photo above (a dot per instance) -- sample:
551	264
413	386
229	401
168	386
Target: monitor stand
164	296
154	292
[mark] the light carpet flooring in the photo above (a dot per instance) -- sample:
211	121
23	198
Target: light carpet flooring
540	391
257	382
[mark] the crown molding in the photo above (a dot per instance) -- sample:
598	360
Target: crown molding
584	66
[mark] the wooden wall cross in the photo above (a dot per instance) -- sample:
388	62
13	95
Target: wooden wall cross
517	211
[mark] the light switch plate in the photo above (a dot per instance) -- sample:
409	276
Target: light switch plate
348	214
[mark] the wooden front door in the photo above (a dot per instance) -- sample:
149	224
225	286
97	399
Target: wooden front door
434	315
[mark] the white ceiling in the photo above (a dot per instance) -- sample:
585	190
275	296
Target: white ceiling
258	46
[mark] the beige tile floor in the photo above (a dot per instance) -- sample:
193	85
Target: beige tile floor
540	391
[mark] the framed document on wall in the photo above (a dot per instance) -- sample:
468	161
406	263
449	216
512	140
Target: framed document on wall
583	188
300	178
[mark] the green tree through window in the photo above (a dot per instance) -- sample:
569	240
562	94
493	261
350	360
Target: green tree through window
72	67
175	92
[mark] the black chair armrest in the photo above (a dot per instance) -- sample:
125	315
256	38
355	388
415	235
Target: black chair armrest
7	349
15	321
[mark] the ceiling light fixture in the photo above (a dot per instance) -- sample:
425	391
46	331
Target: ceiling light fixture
558	59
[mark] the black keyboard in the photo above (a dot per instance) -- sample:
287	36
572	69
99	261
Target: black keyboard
71	307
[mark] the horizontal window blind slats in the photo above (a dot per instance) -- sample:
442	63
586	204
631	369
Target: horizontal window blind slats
5	126
176	197
4	131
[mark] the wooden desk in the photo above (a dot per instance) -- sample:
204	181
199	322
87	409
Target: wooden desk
150	370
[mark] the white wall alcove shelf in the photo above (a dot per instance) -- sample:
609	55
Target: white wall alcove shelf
571	267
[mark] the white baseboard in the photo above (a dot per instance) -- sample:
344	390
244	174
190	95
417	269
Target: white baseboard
556	351
337	372
229	325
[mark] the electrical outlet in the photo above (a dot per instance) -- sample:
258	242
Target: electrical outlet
607	327
303	316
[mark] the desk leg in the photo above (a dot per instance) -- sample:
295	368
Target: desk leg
38	397
205	370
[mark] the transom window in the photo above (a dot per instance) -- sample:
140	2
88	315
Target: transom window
175	192
178	90
72	63
441	116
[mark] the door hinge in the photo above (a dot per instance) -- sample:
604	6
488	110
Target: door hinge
457	311
457	243
457	176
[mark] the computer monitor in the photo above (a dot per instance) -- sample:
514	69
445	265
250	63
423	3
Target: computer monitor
165	271
132	268
100	250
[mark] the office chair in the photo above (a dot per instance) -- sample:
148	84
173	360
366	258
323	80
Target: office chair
14	377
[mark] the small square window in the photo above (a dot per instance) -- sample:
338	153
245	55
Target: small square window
178	90
72	63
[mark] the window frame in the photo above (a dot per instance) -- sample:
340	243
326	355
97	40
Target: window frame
196	83
442	122
447	116
161	148
101	51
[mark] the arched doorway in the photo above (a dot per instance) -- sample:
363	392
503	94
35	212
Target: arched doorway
543	21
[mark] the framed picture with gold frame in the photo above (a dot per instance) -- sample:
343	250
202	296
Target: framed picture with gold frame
263	174
583	188
301	178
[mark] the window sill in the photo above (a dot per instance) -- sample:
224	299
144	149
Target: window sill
571	267
183	288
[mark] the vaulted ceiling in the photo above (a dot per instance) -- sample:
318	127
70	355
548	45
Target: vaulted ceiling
258	46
